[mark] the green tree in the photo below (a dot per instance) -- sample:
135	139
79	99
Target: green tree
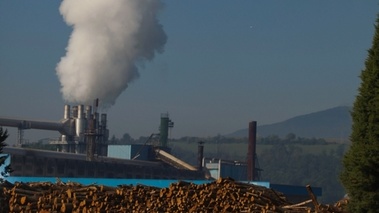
127	139
3	137
290	137
360	174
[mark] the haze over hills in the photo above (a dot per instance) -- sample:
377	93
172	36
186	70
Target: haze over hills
333	123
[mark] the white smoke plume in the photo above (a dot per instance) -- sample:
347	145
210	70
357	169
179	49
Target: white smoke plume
109	39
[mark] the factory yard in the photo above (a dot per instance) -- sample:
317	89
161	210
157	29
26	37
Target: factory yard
222	195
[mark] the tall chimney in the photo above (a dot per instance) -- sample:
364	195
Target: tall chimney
88	112
90	134
251	151
200	154
66	114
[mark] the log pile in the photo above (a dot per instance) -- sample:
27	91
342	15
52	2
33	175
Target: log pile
223	195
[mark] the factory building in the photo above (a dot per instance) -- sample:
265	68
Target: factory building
83	152
40	163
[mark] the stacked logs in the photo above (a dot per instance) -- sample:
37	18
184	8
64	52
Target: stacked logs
223	195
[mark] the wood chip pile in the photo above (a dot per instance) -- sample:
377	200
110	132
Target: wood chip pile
223	195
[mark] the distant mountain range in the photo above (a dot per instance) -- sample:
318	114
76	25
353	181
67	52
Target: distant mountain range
334	123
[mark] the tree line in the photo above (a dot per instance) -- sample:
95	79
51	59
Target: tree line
283	161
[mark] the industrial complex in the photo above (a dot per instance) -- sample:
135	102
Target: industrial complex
83	152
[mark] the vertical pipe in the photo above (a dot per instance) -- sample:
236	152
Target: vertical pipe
104	127
97	120
95	105
251	151
20	137
86	120
102	135
200	154
104	120
75	111
219	169
80	122
90	138
96	130
75	118
88	112
66	114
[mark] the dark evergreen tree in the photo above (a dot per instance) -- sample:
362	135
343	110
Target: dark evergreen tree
360	175
3	137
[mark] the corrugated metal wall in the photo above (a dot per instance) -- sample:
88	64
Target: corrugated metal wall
133	151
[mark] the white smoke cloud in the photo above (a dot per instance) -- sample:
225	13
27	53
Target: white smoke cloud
109	39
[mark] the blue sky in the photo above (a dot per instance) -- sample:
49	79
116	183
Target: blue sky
225	64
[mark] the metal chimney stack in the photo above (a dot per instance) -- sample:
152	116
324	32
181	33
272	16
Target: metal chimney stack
200	155
251	151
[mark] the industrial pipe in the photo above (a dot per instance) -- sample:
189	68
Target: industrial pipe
62	126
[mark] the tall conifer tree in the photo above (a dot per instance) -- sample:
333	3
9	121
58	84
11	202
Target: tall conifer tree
360	175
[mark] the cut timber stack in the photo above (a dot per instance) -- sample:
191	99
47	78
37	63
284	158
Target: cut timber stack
223	195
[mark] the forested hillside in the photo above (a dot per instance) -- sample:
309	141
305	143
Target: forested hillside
334	123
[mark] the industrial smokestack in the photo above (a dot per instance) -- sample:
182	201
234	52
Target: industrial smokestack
108	41
66	114
80	122
95	105
75	111
88	112
251	151
200	155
